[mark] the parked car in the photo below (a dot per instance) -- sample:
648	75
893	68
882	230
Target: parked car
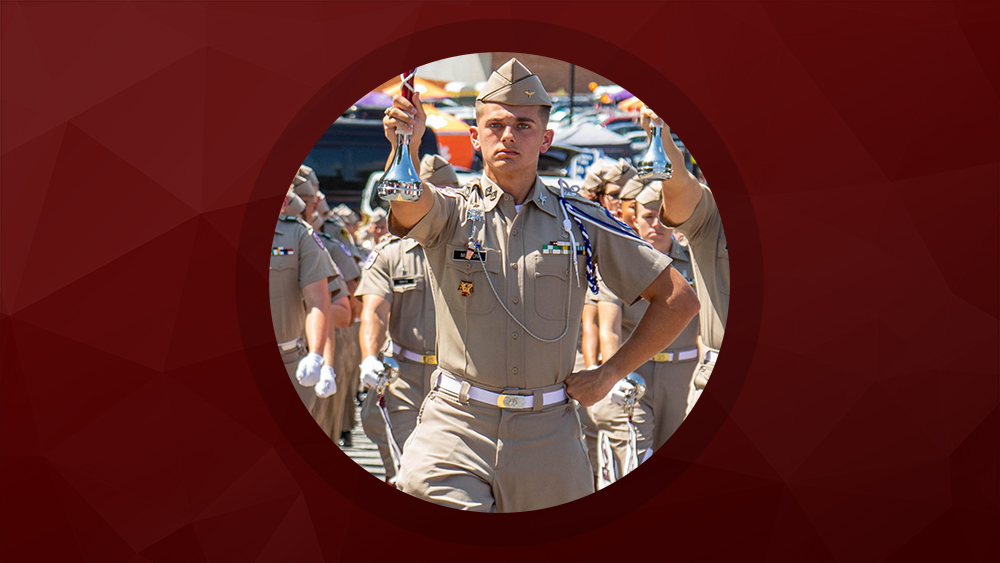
553	164
349	151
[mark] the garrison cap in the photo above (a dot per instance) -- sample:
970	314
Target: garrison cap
650	194
513	84
324	207
605	172
295	204
303	187
436	170
346	213
632	188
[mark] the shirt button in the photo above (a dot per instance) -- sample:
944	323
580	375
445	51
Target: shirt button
468	266
513	370
506	197
513	265
514	335
515	300
513	232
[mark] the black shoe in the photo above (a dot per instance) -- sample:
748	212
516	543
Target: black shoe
345	440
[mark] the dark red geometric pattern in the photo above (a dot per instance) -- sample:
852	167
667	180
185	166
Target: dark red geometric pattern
853	149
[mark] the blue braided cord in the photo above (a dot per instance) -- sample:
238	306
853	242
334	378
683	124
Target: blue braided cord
618	227
591	276
588	250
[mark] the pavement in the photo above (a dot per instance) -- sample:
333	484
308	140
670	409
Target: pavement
364	452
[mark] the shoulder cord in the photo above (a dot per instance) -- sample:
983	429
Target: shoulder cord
569	292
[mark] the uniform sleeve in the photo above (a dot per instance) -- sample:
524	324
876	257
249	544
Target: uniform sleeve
437	225
345	262
704	223
606	296
627	266
338	288
315	263
377	277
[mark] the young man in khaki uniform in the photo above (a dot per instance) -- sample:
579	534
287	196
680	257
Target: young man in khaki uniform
300	272
498	433
689	207
394	293
335	416
668	374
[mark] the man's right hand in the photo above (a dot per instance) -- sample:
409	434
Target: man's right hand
405	118
648	119
307	372
371	369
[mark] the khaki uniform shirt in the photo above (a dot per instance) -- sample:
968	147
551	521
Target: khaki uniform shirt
711	267
397	272
342	257
336	228
476	338
632	314
298	259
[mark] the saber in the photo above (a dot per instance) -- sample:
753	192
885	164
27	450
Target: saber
382	385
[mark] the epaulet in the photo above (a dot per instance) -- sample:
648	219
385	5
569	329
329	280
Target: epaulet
386	241
575	197
596	214
453	192
299	220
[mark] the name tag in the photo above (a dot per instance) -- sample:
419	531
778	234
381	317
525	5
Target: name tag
403	282
469	255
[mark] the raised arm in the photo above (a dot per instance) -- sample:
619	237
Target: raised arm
682	192
410	119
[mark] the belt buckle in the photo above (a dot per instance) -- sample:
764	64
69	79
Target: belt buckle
512	401
429	359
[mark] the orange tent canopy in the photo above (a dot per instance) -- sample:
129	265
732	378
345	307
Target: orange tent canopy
452	135
631	104
428	90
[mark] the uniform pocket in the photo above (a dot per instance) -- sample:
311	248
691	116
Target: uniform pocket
550	275
468	281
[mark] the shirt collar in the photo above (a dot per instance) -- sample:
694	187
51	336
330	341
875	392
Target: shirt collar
539	195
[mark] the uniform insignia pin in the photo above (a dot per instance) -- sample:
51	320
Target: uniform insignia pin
542	197
530	94
465	288
490	192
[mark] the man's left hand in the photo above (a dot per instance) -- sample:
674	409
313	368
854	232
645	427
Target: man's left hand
589	386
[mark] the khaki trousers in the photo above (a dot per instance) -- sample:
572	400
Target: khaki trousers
402	401
472	456
659	413
291	361
698	383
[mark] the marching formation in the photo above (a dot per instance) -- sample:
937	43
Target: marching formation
520	344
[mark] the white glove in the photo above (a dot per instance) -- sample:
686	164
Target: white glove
327	382
371	368
620	391
307	371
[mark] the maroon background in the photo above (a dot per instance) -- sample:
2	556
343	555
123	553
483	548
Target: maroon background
853	148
